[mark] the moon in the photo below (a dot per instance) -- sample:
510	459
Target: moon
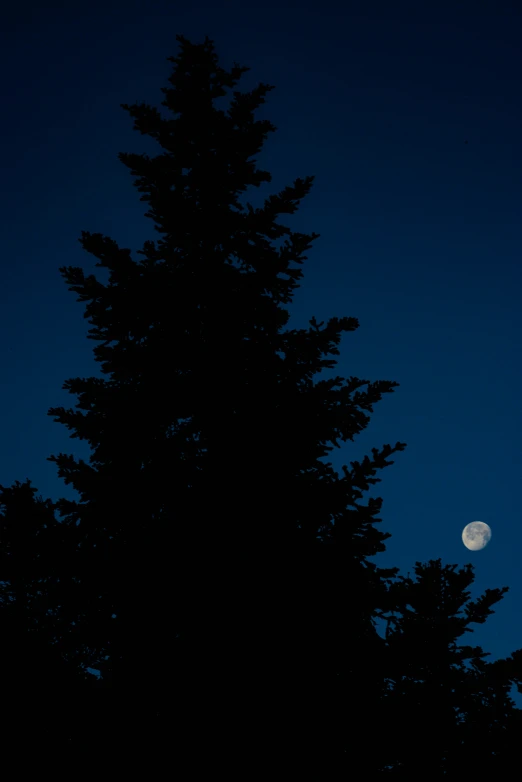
476	535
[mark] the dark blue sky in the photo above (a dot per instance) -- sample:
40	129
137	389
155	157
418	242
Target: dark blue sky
420	231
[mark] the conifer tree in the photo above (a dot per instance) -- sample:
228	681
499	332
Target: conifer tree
214	548
448	710
43	668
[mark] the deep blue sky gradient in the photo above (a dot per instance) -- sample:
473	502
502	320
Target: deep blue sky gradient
420	231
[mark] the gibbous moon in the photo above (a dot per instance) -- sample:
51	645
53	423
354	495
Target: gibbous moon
476	535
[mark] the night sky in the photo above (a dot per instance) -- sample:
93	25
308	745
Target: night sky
409	116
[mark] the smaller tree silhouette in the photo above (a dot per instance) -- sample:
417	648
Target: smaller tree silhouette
42	663
446	708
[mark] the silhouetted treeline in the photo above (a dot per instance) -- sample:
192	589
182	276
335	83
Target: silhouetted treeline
216	570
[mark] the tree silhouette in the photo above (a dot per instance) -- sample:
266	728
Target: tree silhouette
40	674
33	547
215	546
446	705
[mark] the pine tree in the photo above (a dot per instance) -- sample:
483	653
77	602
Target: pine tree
215	550
448	711
39	674
33	551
